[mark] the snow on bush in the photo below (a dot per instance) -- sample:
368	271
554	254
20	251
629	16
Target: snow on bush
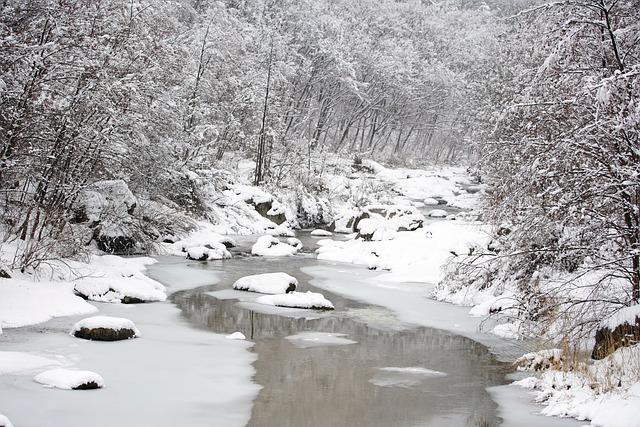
68	379
297	300
540	360
607	391
267	283
272	246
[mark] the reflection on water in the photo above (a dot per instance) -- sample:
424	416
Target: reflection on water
335	385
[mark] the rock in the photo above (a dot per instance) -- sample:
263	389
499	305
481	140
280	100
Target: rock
116	245
608	341
437	213
104	328
267	210
4	275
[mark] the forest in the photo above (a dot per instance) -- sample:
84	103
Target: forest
124	125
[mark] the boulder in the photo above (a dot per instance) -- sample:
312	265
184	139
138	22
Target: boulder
104	328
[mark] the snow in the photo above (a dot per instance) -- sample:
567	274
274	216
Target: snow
605	392
25	302
13	362
205	237
297	300
415	370
317	339
236	336
115	289
4	421
106	322
191	375
272	246
430	201
68	379
437	213
321	233
212	251
625	315
405	377
267	283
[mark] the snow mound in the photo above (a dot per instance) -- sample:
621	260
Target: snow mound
236	336
437	213
129	290
625	315
68	379
267	283
12	362
316	339
321	233
540	360
430	201
4	421
105	328
297	300
212	251
272	246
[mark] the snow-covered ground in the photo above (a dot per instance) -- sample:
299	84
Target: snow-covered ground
217	384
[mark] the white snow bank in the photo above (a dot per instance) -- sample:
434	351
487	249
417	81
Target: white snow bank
12	362
110	278
236	336
321	233
204	236
272	246
24	302
413	256
210	252
105	322
4	421
316	339
607	392
68	379
117	289
267	283
625	315
297	300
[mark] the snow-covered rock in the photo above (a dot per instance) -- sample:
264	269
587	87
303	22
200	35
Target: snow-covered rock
210	252
310	300
4	421
272	246
321	233
437	213
267	283
127	290
68	379
296	243
236	336
105	328
430	201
